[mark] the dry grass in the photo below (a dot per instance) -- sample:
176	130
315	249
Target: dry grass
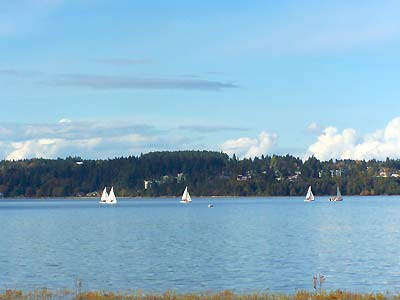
46	294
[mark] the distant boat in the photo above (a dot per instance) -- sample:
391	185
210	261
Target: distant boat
104	196
111	197
186	197
338	196
310	195
108	198
210	205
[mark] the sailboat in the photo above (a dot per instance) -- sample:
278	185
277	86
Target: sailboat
111	199
310	195
108	198
338	196
104	196
186	197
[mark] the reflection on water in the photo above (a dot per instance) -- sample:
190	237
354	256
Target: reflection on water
242	244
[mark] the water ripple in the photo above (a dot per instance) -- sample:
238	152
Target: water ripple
245	245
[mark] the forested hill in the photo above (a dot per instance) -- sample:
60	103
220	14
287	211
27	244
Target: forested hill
205	173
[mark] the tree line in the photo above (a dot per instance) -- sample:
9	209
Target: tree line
206	173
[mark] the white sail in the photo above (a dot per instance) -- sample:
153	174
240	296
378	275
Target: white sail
104	196
111	197
338	194
186	196
310	195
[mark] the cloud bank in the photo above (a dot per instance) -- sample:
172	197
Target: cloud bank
85	139
123	61
114	82
210	128
348	145
101	82
246	147
99	140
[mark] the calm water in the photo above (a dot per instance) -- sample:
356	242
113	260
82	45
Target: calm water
243	244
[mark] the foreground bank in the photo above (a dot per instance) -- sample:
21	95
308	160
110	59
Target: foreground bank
46	294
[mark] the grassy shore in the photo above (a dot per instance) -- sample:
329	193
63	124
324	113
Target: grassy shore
45	294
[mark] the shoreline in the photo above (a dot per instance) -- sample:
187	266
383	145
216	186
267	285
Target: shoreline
177	197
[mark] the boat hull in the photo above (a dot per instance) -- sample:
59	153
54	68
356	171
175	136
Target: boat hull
335	199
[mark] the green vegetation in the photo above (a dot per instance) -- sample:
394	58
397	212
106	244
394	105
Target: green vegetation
206	173
172	295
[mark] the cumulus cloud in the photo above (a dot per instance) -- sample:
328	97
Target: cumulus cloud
53	148
333	144
348	145
34	148
250	147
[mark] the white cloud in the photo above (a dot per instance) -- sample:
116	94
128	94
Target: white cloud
332	144
53	148
347	145
34	148
314	128
250	147
65	120
5	132
85	139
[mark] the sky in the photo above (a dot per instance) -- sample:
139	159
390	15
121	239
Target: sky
103	79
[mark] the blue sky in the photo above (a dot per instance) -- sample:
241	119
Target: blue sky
101	79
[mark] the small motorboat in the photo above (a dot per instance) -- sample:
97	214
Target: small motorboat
210	205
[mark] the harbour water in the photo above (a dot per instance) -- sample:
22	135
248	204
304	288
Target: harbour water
242	244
